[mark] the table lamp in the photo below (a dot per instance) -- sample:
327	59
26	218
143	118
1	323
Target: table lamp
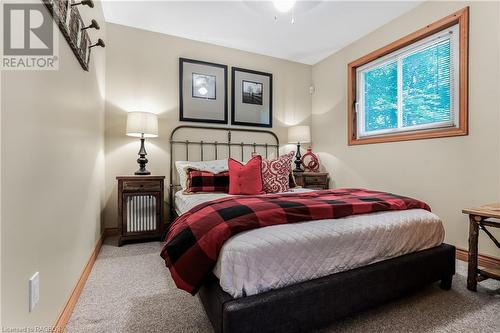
298	135
142	125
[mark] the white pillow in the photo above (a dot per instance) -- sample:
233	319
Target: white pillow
211	166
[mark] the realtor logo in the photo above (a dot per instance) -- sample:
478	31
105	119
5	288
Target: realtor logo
28	37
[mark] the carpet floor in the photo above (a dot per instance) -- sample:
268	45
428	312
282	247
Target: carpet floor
130	290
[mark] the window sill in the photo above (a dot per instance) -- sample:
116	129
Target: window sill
429	134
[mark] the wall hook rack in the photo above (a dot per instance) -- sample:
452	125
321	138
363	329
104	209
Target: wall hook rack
67	15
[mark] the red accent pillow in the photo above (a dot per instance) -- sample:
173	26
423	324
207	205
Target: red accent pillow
276	173
245	178
206	181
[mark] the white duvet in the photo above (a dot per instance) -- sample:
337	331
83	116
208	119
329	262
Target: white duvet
277	256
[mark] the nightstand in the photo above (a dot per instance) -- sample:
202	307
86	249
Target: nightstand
312	180
140	208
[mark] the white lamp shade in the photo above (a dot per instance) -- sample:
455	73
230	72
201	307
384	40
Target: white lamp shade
298	134
142	123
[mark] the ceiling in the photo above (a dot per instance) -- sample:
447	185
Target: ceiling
320	29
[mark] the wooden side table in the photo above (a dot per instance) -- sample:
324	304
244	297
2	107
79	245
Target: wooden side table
311	180
140	208
479	219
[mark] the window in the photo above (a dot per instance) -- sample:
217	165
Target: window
415	88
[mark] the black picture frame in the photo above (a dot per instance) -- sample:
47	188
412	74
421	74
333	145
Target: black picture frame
182	117
233	96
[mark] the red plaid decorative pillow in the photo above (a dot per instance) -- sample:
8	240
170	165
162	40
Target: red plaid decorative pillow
276	173
205	181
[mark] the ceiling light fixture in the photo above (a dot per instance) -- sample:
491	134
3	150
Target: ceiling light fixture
283	6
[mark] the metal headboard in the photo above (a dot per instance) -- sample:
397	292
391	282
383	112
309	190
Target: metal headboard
201	144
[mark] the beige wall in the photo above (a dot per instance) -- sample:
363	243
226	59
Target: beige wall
52	136
142	73
448	173
1	221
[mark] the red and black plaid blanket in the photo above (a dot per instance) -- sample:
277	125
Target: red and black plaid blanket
196	237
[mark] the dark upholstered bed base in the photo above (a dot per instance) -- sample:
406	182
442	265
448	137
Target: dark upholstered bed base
316	303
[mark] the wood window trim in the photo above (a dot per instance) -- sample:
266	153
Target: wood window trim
461	18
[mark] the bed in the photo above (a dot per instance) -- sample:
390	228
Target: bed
318	271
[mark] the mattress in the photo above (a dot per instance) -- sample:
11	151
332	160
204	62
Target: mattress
277	256
184	202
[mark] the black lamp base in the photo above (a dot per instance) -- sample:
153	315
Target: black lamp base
297	161
142	172
142	160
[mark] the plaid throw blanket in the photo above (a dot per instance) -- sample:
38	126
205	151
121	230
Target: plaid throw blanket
196	237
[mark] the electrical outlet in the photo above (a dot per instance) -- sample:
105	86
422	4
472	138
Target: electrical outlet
34	290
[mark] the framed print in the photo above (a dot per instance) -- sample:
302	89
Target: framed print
252	92
204	86
203	91
251	98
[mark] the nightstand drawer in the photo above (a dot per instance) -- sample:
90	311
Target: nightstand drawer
141	186
312	180
317	187
315	180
